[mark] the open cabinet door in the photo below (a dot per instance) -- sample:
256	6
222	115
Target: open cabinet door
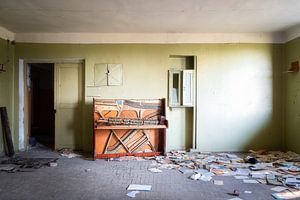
187	87
68	106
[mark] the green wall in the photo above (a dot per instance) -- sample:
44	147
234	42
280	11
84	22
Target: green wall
6	83
292	102
238	97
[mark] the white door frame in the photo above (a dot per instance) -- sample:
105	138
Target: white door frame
23	126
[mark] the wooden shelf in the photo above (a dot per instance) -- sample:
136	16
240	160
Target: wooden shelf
122	127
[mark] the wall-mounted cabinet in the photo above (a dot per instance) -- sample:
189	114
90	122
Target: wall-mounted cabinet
182	98
182	81
181	88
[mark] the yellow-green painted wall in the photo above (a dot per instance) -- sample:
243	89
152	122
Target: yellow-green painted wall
238	97
6	83
292	103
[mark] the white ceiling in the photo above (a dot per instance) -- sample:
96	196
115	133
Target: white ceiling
149	16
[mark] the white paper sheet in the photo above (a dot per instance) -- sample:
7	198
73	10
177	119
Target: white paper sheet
139	187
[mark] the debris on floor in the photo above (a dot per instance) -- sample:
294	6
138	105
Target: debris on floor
53	164
272	168
207	176
186	170
293	182
279	189
195	176
154	170
136	187
287	195
281	169
234	193
272	180
218	182
132	194
127	158
69	153
235	198
12	165
7	167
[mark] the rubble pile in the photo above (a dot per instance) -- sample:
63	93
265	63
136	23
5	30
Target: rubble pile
69	153
18	164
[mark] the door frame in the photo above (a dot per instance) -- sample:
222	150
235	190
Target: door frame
24	113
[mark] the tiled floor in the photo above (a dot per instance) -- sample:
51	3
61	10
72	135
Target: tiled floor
77	178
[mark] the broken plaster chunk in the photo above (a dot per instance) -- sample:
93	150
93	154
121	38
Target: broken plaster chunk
70	155
154	170
53	164
195	176
218	182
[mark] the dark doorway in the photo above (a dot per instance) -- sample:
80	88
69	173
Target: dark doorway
41	104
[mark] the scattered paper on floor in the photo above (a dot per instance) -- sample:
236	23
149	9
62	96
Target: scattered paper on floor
271	167
287	195
139	187
250	181
186	170
218	182
195	176
154	170
279	189
235	198
132	194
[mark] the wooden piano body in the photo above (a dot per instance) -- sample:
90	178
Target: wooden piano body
124	127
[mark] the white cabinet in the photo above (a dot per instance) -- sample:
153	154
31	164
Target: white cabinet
181	88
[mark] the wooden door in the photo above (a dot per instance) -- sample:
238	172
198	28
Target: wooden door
68	105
